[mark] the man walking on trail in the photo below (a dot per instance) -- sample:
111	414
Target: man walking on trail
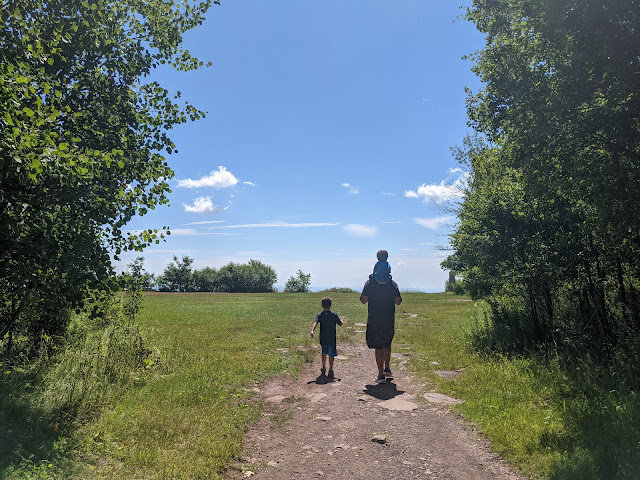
382	298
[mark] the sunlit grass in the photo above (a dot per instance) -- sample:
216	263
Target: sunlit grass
189	421
186	414
551	418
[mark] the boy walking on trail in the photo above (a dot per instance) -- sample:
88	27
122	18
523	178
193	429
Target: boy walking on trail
328	321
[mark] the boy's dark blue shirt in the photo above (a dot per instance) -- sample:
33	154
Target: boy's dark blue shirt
328	321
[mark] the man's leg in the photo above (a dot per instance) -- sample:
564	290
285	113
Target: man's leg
380	356
387	356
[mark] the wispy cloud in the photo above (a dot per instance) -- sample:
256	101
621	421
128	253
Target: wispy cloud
352	189
278	225
203	205
442	192
433	223
251	184
205	222
360	230
221	178
183	232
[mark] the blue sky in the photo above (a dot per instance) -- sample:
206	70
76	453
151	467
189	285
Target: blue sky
327	137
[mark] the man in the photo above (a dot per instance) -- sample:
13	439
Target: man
382	298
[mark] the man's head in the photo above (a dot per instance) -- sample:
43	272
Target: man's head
382	255
326	303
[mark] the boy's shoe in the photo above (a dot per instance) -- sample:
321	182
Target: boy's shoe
387	373
323	371
380	379
330	374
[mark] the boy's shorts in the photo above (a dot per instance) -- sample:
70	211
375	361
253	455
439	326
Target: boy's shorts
330	350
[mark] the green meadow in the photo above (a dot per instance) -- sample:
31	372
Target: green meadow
184	415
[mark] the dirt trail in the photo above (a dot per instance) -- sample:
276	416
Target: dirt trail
313	428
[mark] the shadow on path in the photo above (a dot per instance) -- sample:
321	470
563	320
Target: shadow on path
323	380
384	391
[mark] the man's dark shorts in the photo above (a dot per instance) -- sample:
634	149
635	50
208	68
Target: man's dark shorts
380	336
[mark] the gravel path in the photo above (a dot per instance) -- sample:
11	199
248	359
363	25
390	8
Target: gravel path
351	428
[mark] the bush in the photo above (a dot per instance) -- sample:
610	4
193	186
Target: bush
252	277
298	283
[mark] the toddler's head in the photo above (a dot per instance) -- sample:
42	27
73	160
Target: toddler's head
382	255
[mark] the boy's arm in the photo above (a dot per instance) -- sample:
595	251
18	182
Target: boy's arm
313	328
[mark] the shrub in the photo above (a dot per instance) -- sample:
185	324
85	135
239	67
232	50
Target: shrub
298	283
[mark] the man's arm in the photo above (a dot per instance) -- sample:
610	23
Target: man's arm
397	300
365	299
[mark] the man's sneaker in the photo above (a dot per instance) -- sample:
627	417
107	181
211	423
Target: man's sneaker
380	379
330	374
323	371
387	373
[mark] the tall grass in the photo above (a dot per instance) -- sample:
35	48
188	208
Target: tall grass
44	400
552	416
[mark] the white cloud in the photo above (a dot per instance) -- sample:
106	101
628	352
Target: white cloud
251	184
203	205
353	190
279	225
221	178
410	194
360	230
433	223
443	192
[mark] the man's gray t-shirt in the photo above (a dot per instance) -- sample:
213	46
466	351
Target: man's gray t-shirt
382	309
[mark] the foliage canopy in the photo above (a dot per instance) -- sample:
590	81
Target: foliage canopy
549	230
83	134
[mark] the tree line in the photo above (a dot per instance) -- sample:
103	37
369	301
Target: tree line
180	276
549	229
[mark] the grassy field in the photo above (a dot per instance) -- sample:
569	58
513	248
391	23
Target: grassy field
188	421
186	415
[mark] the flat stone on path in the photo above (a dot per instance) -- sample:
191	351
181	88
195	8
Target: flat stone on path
440	398
341	357
382	439
316	397
398	404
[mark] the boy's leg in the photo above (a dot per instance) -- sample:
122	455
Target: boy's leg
324	360
331	362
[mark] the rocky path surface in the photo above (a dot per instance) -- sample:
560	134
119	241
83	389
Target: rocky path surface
352	428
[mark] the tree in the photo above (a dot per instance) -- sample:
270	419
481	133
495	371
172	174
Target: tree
83	134
178	276
205	280
252	277
551	211
135	271
298	283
